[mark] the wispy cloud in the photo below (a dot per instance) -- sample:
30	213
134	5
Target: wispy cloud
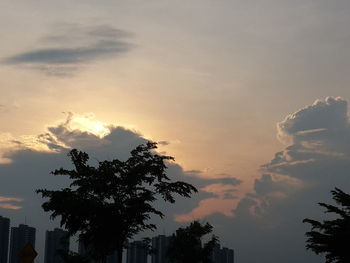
6	202
209	207
71	46
8	199
10	206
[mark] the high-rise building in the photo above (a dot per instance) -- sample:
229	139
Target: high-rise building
222	255
55	241
136	253
160	246
4	238
20	237
82	248
113	258
227	255
216	254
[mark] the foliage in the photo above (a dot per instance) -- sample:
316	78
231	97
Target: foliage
186	244
331	237
71	257
147	246
107	205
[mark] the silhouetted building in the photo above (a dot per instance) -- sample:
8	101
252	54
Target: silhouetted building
4	238
84	251
113	258
160	245
216	254
222	255
228	255
20	236
55	241
136	253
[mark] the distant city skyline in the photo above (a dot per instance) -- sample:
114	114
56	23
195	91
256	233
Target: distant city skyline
58	239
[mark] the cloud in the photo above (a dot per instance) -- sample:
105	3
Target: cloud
315	161
5	202
7	199
268	220
268	185
209	207
223	200
315	122
220	189
71	46
221	177
320	135
164	143
10	206
218	195
193	172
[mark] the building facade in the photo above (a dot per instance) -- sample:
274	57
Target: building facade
4	238
136	253
20	237
160	245
55	241
222	255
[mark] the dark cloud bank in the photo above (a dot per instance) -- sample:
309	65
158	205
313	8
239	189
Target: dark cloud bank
315	161
267	223
71	46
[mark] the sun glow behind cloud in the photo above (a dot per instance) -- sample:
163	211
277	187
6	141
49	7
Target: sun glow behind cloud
87	123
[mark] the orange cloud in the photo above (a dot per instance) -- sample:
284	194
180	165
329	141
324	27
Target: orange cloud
7	199
5	205
220	189
208	207
10	206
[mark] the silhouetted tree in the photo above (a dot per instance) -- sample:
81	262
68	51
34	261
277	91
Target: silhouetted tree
109	204
71	257
332	237
186	244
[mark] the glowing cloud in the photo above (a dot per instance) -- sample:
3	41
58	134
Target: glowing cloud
208	207
89	124
8	199
220	190
4	202
10	206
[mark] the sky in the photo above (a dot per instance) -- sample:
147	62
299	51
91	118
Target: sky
250	97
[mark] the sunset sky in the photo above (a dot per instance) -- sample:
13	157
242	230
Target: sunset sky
250	97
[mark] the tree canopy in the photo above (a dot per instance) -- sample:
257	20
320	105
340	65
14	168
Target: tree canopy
108	204
332	237
186	244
